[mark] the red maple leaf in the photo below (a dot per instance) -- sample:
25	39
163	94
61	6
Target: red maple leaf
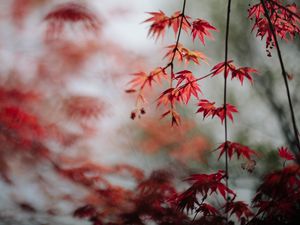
220	112
142	79
284	18
208	109
239	73
72	13
200	29
207	210
207	184
159	22
243	72
175	21
185	55
220	67
238	149
285	154
168	97
189	86
239	208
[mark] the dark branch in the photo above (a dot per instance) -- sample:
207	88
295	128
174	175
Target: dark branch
225	98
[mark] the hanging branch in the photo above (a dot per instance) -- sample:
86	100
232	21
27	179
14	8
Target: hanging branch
284	8
284	74
225	100
171	63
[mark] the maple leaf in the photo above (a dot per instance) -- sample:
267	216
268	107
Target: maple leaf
285	154
279	192
239	73
175	21
185	55
190	87
238	149
142	79
159	22
243	72
285	21
239	208
208	109
175	118
172	49
207	210
200	28
204	184
158	182
72	13
220	67
83	107
207	184
168	97
220	112
188	200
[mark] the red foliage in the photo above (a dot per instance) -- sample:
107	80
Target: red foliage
239	73
240	209
201	29
183	144
185	55
240	150
159	22
285	20
285	154
189	87
208	109
83	107
278	196
203	183
71	13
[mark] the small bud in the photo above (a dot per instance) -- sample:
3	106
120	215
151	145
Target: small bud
143	111
290	76
133	115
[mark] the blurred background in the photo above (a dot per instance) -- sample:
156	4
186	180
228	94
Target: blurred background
65	66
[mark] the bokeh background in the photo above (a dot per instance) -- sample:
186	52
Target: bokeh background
63	101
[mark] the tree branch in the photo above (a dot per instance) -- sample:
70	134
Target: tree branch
225	100
284	74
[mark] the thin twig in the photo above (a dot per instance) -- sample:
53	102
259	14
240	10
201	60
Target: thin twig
284	74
